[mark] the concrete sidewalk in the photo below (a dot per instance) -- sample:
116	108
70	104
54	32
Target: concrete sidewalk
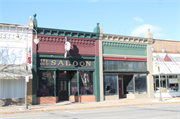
67	105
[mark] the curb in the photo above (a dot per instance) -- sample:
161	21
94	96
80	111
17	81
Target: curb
133	105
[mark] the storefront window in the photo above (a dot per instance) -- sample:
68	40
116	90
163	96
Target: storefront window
105	66
135	84
110	84
173	84
128	83
110	65
73	83
169	83
140	84
46	83
124	66
85	82
115	65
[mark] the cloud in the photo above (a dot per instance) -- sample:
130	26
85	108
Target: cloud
138	19
140	31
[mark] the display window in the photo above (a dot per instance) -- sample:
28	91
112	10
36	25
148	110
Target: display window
110	84
169	83
85	82
45	83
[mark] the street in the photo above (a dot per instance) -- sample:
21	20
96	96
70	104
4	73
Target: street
168	111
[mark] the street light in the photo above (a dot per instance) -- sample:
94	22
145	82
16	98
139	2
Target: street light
163	50
36	41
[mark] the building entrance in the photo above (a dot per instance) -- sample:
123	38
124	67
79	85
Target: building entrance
63	91
63	85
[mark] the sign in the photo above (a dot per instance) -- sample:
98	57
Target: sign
27	78
64	63
67	46
172	81
155	61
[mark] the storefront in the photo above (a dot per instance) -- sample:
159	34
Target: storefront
58	78
62	79
12	63
169	65
126	67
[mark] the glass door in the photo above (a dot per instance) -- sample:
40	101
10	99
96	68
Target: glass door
63	79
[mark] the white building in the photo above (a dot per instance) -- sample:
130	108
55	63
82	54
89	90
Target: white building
12	62
169	64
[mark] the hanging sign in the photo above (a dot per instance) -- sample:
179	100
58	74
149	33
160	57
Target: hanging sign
67	47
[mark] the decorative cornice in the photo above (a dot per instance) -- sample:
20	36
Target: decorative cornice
56	39
14	28
11	36
60	32
126	39
127	45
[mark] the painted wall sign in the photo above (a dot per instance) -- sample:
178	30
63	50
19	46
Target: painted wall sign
66	63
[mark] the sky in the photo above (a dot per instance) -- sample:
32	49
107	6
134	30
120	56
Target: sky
119	17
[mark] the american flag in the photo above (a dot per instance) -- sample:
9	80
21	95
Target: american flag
28	60
167	59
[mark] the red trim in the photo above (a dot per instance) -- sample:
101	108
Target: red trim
124	59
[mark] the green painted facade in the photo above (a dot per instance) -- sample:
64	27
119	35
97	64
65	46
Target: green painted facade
97	80
35	78
96	89
68	33
124	49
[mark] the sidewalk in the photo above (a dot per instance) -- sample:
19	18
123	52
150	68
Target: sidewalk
67	105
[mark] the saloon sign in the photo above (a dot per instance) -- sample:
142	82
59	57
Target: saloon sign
63	63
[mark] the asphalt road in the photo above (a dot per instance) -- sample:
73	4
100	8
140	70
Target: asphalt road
168	111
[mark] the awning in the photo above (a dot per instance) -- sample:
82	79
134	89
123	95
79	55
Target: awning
166	73
14	71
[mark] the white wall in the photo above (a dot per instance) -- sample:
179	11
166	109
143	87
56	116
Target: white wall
14	88
12	52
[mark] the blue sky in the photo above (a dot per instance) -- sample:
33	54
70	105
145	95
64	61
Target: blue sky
120	17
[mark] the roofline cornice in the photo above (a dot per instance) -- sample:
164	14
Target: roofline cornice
69	33
126	39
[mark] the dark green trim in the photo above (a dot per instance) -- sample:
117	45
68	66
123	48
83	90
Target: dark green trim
66	69
127	45
46	69
46	96
94	83
69	86
97	79
62	56
69	33
86	69
78	82
83	95
54	82
35	78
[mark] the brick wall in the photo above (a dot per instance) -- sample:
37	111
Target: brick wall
46	100
170	46
90	98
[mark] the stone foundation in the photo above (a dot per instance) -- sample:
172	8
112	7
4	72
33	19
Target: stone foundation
10	102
